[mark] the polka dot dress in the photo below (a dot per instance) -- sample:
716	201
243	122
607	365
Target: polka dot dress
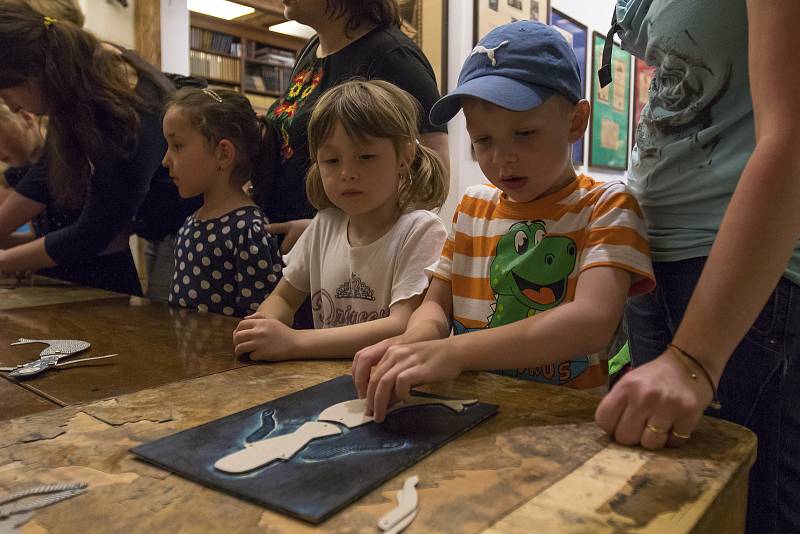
226	265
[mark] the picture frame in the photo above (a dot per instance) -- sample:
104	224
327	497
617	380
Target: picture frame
425	22
643	77
609	131
577	35
489	14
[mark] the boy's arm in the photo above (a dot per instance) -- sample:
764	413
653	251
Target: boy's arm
583	326
430	321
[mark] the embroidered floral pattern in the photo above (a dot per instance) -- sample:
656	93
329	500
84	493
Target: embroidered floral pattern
285	109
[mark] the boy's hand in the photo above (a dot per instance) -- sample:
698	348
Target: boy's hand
264	339
405	366
366	359
654	405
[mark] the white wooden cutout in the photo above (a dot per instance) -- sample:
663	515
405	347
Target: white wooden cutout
260	453
407	501
399	527
352	413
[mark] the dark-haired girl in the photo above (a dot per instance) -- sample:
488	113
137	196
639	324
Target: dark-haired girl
225	260
104	145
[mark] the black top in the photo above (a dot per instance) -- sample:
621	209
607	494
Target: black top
134	189
385	54
226	265
113	272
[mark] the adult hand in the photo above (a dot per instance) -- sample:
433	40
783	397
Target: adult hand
655	405
292	231
264	339
405	366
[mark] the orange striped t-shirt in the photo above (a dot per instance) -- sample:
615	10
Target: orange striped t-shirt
506	261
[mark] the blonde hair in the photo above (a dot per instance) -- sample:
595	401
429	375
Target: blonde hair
376	108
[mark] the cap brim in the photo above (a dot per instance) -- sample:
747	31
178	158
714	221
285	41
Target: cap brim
498	90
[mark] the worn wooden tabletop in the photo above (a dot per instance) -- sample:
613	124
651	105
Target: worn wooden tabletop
156	345
41	291
540	465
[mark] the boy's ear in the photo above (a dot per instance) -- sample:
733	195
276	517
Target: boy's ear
579	120
226	153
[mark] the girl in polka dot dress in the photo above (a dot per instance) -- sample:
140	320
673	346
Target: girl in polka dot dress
225	261
363	259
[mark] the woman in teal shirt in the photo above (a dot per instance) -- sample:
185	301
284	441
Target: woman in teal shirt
716	169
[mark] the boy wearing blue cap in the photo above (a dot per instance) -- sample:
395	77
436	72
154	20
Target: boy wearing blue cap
538	265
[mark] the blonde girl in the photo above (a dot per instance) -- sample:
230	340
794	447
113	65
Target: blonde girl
363	259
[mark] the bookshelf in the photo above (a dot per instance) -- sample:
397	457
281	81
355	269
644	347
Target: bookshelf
243	59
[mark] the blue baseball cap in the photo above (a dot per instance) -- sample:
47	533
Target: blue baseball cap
516	66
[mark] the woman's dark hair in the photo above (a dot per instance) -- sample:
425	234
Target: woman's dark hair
93	111
369	13
220	114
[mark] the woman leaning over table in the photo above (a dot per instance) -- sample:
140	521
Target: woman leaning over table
104	146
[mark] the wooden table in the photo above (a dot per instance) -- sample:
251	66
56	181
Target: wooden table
540	465
16	401
156	345
41	291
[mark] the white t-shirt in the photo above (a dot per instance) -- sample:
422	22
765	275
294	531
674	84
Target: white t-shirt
350	285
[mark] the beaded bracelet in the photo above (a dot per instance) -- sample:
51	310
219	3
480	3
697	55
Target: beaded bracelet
715	404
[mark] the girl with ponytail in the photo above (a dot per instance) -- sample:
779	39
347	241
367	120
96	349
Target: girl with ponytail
364	257
225	260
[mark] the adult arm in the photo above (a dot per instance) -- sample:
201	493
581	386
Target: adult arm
755	241
115	194
15	211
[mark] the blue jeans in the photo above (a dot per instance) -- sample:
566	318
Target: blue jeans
760	388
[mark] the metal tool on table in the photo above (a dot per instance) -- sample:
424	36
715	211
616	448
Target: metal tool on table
38	497
57	349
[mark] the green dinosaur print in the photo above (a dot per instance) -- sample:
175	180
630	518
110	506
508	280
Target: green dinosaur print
529	272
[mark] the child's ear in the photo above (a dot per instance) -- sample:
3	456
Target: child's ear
579	120
409	153
226	153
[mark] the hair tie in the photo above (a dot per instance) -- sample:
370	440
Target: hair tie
418	143
213	95
49	21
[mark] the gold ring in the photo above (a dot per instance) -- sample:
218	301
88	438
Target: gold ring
655	429
681	436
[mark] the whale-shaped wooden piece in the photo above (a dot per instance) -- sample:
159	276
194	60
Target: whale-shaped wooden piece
398	518
260	453
352	413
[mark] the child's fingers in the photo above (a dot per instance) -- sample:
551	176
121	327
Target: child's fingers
363	362
277	228
384	392
244	347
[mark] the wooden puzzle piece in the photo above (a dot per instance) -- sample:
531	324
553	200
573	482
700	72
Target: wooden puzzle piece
405	511
260	453
352	413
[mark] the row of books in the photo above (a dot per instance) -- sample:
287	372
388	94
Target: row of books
214	66
215	42
271	55
267	78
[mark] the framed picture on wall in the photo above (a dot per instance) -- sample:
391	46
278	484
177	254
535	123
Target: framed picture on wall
576	35
643	77
609	129
425	22
489	14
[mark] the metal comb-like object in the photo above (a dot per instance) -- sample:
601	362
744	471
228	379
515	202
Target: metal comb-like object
39	497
